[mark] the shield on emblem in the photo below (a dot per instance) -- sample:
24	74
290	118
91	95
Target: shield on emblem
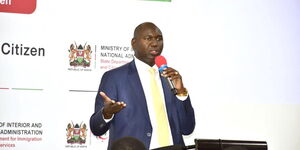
80	56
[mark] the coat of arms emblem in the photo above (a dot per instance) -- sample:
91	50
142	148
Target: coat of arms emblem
76	134
80	55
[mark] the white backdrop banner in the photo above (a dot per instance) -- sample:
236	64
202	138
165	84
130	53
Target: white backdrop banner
239	61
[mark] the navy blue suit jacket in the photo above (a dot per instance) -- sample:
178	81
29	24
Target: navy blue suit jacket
123	84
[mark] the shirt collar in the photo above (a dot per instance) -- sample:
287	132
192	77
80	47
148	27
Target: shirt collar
143	66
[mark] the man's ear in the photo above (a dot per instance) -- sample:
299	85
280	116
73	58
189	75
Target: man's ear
133	40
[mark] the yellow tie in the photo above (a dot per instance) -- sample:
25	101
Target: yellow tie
163	131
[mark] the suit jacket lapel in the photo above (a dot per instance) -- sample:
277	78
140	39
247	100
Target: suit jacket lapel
168	96
136	85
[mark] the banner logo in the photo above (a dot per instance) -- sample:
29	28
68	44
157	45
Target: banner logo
76	134
80	55
102	137
18	6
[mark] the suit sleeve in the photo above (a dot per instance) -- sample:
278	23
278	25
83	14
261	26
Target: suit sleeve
97	123
186	116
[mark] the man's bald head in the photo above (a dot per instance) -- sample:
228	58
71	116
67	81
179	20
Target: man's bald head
142	27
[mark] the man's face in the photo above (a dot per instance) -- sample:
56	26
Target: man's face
148	44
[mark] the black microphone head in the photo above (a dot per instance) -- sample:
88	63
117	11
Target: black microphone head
128	143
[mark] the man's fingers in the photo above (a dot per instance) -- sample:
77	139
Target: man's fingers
116	107
111	106
120	105
171	73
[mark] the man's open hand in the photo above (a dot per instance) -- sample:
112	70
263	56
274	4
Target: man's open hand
110	106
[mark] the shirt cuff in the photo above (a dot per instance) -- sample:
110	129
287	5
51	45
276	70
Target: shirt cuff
182	98
107	120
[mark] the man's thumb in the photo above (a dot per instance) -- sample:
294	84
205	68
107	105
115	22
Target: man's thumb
104	96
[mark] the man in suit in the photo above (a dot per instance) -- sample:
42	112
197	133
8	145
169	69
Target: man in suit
124	104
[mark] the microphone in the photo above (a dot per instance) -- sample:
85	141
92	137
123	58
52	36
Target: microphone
161	63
